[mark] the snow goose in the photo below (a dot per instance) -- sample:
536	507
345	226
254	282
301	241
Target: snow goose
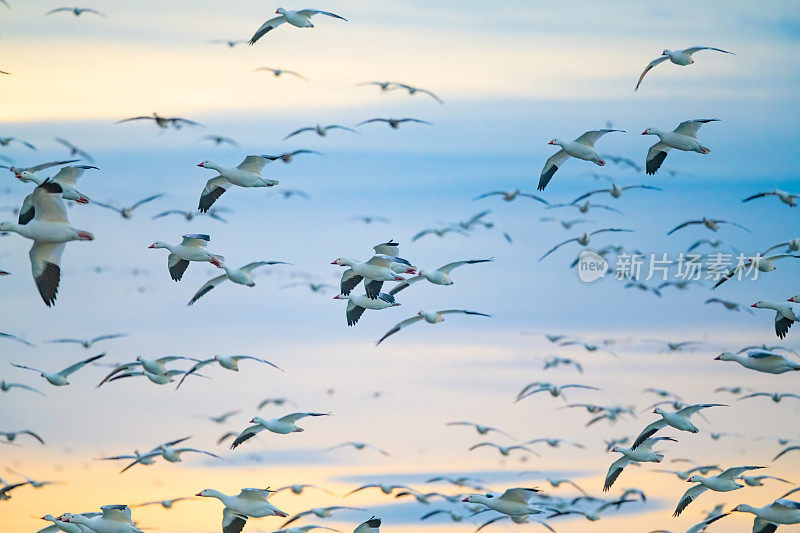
480	428
555	443
384	86
77	11
159	379
249	503
5	491
584	239
298	19
319	512
710	223
60	525
247	174
376	270
580	148
785	197
278	72
415	90
678	420
127	212
776	397
230	43
758	262
567	224
358	303
37	168
440	276
505	451
228	362
59	379
219	139
163	122
312	286
240	276
297	489
114	519
439	232
724	482
554	390
47	224
683	137
5	141
156	367
431	317
146	459
6	386
192	248
509	196
555	361
758	481
320	130
793	245
282	426
781	511
288	157
394	123
785	451
370	526
11	337
358	446
615	191
34	483
214	213
67	177
173	455
513	502
727	304
88	343
166	504
585	207
11	436
74	151
676	57
642	454
785	315
761	361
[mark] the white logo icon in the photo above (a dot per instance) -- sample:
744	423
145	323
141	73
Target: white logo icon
591	266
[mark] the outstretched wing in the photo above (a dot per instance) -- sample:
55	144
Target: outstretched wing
655	157
650	65
215	187
398	327
648	432
205	289
590	137
312	12
690	127
268	26
552	164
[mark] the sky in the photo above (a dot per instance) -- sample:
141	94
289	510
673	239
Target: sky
513	77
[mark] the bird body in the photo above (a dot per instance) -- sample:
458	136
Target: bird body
769	363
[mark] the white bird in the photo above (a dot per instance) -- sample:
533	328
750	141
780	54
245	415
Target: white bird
240	276
369	526
59	379
88	343
304	529
503	450
74	150
77	11
320	130
11	436
781	511
60	525
785	315
761	361
358	446
758	481
683	137
152	367
299	488
127	212
166	504
277	72
785	197
615	191
171	454
249	503
756	263
514	503
146	459
677	57
394	123
584	239
6	386
776	397
415	90
431	317
298	19
509	196
554	390
247	174
11	337
723	482
642	454
710	223
192	248
114	519
282	426
580	148
67	178
374	273
440	276
480	428
678	420
47	224
229	362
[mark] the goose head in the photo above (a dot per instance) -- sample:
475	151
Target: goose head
341	297
258	420
159	244
280	11
726	356
557	142
649	131
341	261
761	304
795	299
27	176
208	164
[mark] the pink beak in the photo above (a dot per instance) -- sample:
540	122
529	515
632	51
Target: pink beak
201	165
199	494
465	500
718	358
551	142
253	421
644	132
754	305
152	246
790	299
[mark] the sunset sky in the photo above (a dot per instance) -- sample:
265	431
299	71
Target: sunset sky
512	76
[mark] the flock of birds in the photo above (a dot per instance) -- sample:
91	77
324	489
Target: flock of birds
43	219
